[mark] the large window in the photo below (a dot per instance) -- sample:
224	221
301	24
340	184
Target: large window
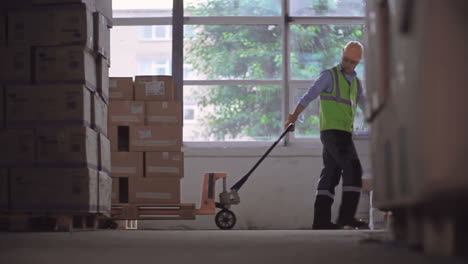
245	65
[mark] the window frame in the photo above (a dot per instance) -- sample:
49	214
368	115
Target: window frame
284	21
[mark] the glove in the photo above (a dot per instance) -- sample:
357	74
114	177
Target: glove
291	119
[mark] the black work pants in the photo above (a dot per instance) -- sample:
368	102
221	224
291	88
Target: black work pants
340	159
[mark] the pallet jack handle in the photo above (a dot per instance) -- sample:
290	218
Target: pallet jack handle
241	182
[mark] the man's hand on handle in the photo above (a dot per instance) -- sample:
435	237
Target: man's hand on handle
291	119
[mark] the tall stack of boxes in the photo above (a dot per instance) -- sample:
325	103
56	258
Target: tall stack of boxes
145	123
55	154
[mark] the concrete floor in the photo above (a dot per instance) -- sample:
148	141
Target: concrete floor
213	246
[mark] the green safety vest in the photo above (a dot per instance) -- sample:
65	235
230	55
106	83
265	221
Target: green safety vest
338	108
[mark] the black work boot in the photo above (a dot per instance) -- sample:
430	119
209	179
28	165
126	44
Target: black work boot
348	209
322	214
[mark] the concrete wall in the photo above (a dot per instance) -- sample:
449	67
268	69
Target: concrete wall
279	194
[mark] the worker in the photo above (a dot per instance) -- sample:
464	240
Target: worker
340	90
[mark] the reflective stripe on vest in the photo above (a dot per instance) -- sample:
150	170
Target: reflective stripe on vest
337	97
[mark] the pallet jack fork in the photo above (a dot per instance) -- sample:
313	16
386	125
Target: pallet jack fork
225	218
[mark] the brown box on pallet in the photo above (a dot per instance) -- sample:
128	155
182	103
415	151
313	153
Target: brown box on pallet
15	65
126	113
164	164
67	146
99	114
121	88
29	106
4	193
66	64
18	148
55	190
2	106
154	88
163	113
155	138
47	26
104	193
103	78
104	154
2	29
102	6
127	164
101	35
164	190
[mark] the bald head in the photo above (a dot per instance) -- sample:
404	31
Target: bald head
352	54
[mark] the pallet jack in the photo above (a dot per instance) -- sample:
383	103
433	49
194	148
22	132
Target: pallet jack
225	219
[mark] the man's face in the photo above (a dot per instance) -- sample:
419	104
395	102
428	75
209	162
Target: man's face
348	65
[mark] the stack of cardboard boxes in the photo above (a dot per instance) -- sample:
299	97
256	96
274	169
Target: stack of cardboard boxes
55	154
145	123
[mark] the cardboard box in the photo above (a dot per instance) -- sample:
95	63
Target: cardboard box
20	26
99	114
15	65
4	190
163	113
103	78
18	148
101	35
65	64
58	25
154	88
4	5
2	29
165	190
127	164
104	154
105	7
155	138
54	190
126	113
29	106
67	147
2	107
102	6
121	88
164	164
104	193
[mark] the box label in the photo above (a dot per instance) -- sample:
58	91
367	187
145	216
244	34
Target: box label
174	170
155	88
112	83
144	133
153	195
125	170
124	119
136	109
155	143
162	119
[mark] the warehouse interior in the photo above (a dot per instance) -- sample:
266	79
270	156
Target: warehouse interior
128	129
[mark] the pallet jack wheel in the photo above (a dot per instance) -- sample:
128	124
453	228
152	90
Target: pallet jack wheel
225	219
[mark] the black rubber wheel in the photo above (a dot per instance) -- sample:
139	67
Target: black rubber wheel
225	219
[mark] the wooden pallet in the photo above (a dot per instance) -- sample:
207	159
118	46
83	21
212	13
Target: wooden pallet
153	211
64	222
